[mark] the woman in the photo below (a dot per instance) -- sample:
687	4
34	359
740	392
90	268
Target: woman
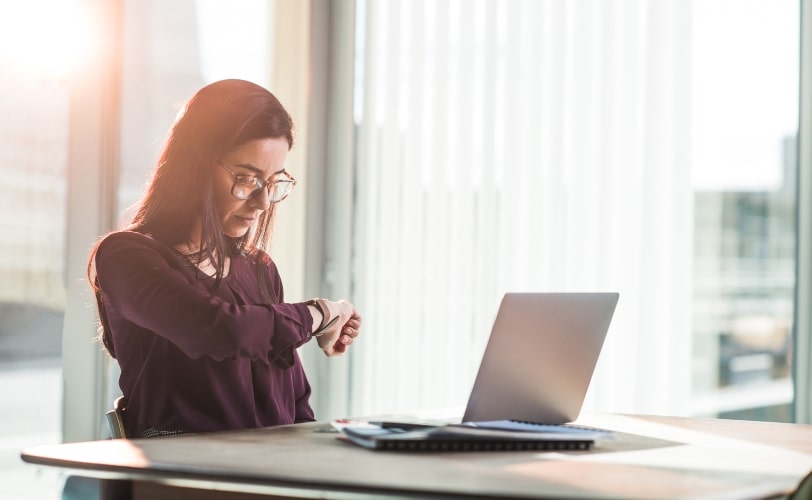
190	305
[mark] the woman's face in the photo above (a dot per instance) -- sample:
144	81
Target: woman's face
263	158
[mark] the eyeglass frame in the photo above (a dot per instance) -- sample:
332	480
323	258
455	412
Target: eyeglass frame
260	183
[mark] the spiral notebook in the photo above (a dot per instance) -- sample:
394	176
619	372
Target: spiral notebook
531	382
395	436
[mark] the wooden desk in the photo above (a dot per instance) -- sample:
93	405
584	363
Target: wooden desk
652	457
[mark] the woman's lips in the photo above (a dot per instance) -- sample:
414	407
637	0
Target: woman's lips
246	220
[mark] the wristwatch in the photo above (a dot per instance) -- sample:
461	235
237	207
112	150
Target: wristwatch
326	322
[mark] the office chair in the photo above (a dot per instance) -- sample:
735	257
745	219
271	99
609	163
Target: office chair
804	489
90	488
115	419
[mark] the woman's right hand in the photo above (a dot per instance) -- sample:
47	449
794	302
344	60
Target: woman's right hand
340	334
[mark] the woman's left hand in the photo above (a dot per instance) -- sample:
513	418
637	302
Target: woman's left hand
338	338
349	331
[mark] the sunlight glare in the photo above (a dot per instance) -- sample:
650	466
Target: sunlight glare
42	37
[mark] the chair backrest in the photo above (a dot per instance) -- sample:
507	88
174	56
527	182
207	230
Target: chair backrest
804	489
115	418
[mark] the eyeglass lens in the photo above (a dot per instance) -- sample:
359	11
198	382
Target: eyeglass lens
245	188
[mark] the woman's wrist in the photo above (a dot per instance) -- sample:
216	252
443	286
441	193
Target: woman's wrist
326	321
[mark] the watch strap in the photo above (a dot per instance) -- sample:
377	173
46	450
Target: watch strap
326	321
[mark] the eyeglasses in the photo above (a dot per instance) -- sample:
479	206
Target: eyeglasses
247	186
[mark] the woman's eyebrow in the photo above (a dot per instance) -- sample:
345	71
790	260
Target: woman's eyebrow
256	170
250	167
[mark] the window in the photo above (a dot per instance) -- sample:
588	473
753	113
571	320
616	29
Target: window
49	150
33	185
744	165
640	147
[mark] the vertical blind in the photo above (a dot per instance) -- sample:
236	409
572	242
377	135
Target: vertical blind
507	145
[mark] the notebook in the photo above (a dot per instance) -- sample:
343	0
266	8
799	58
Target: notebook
459	437
533	376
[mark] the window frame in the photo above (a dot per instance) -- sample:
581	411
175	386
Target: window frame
802	338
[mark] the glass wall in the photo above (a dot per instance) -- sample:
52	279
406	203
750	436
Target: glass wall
34	98
640	147
745	124
32	296
169	51
33	162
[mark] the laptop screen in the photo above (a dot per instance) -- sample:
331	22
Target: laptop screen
540	357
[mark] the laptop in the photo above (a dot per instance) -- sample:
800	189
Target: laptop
540	357
532	379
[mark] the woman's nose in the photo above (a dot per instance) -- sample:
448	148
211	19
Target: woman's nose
261	198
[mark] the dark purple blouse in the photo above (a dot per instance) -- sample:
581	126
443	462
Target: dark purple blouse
197	360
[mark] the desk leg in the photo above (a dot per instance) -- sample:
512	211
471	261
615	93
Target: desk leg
89	488
144	490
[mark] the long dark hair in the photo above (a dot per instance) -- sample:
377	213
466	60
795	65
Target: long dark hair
218	118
